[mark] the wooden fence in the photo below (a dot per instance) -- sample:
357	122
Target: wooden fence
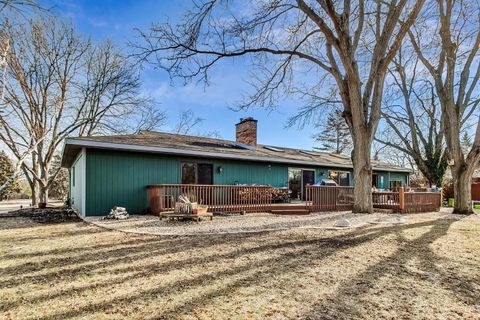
421	201
218	198
326	198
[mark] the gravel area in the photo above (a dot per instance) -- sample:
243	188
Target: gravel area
258	222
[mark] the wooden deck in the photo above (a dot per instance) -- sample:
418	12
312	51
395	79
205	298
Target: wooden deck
244	199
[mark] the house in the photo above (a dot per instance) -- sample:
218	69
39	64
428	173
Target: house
107	171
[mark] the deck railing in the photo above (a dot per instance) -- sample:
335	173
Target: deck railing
421	202
329	198
218	198
386	199
231	198
326	198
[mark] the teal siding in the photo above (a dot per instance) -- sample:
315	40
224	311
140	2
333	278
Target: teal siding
398	176
390	176
117	178
250	173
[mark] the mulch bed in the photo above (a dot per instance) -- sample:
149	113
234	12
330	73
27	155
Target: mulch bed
48	215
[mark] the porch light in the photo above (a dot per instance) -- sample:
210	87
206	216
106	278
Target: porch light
219	169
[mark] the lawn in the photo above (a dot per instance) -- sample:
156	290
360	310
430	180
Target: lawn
423	270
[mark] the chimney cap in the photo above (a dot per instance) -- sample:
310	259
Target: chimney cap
242	120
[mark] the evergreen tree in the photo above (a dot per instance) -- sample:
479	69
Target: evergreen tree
58	189
466	142
9	184
335	136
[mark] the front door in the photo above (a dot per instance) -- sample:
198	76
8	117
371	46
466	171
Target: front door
205	173
295	183
308	178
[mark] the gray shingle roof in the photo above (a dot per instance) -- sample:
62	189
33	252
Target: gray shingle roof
152	141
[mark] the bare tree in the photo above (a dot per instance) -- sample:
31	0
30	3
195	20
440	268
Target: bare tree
447	43
412	113
188	122
18	6
344	44
59	84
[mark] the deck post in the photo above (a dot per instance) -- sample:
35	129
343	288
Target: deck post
401	199
161	196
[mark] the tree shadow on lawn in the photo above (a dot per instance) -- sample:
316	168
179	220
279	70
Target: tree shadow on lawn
15	222
84	259
291	255
348	298
132	273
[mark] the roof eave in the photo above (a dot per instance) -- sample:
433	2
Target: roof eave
189	152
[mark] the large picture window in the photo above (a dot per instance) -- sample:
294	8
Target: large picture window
197	173
342	178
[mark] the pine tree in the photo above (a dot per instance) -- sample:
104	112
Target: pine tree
335	136
466	142
9	183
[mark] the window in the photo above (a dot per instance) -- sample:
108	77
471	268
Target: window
197	173
189	173
342	178
395	184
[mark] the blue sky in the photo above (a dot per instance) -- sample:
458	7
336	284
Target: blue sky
116	20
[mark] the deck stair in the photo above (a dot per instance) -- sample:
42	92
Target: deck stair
290	209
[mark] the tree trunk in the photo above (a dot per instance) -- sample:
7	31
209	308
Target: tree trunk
362	175
33	184
462	184
43	194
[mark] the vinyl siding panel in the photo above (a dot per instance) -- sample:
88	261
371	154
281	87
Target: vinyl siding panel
119	179
250	173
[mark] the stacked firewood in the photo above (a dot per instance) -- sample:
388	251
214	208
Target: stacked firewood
117	213
280	194
252	194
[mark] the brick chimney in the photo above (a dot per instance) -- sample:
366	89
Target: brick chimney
246	131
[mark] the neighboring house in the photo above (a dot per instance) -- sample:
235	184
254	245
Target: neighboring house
107	171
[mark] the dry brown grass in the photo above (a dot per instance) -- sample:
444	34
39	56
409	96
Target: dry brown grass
423	270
